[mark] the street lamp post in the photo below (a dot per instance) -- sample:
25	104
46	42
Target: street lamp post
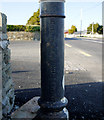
52	101
92	28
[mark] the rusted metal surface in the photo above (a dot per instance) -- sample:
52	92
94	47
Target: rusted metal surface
52	100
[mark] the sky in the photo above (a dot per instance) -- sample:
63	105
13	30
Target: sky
18	12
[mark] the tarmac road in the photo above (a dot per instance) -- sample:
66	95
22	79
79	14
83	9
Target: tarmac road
81	56
83	75
85	55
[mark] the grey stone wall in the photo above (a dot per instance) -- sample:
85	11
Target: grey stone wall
24	35
0	84
7	91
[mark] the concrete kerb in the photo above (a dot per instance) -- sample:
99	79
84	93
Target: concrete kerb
27	111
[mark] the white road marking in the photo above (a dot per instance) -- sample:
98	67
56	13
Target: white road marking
93	41
84	53
68	45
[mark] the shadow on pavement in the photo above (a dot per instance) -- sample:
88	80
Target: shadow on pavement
85	100
21	71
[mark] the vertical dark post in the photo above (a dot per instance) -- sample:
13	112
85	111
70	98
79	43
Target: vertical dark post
52	101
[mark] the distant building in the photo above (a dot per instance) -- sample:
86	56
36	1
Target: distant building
83	33
66	32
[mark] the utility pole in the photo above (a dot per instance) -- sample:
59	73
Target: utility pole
52	101
81	23
92	28
103	17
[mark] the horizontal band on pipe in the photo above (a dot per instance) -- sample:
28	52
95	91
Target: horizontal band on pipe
51	1
41	16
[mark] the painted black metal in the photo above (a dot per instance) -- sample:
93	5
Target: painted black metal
52	100
52	8
52	16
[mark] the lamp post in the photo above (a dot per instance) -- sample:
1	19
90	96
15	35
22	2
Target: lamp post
52	101
92	28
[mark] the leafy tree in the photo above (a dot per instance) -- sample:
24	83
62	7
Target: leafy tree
34	20
96	28
73	29
100	29
89	29
70	31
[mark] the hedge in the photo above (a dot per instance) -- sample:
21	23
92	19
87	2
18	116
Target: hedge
32	28
23	28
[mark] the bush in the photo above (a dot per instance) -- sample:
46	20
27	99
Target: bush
16	28
23	28
32	28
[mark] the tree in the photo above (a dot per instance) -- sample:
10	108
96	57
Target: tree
34	20
96	28
89	29
100	29
73	29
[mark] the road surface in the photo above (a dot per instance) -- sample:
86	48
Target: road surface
85	56
83	62
83	75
